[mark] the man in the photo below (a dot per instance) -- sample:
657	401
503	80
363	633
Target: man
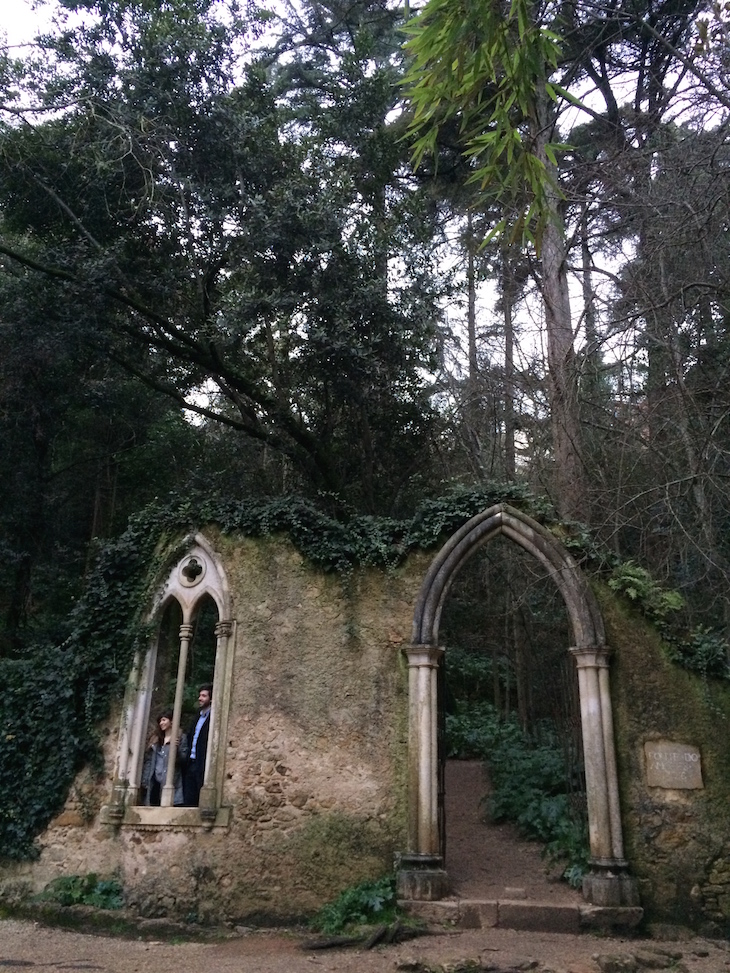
194	770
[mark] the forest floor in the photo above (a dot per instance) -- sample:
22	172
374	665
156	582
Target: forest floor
484	861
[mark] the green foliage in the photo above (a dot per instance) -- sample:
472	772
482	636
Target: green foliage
288	310
101	893
470	674
530	788
476	729
341	544
360	905
442	516
56	695
481	64
638	585
705	650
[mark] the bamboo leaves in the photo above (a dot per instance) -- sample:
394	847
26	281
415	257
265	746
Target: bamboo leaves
482	65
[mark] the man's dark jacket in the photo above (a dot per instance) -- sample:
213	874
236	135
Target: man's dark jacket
194	771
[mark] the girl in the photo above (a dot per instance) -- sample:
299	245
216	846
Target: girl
154	770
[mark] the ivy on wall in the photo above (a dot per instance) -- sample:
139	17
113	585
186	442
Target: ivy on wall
58	694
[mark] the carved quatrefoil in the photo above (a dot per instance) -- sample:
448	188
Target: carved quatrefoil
192	572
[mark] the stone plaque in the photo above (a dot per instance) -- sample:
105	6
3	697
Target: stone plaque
672	765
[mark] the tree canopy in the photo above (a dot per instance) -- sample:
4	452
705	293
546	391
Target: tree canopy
219	248
363	252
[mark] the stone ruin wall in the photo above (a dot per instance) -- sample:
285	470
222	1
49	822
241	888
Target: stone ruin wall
676	809
315	754
315	760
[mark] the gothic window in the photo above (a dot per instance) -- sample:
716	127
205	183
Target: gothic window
192	647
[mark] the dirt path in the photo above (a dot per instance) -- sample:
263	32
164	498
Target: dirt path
485	860
27	945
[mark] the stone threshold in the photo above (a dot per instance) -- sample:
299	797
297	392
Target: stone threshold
524	915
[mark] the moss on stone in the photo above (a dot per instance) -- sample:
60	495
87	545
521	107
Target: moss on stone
334	851
675	840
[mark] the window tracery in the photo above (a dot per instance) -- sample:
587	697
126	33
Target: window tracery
193	646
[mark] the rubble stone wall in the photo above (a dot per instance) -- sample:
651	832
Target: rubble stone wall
677	837
316	750
315	758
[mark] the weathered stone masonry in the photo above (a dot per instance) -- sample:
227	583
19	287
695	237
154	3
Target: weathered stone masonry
313	769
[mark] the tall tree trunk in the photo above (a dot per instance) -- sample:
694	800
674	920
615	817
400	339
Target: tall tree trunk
17	611
496	685
471	274
592	366
473	410
508	299
570	488
521	668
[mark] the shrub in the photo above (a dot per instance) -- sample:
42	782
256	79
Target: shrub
359	905
102	893
705	651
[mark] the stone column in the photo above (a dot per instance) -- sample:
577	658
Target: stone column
168	791
131	739
208	802
608	883
614	807
421	874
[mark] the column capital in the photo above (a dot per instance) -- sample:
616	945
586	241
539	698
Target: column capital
590	656
423	655
224	628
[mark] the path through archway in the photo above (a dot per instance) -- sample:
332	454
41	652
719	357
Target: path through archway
492	862
422	874
512	738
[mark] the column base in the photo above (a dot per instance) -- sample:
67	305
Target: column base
207	805
421	878
610	885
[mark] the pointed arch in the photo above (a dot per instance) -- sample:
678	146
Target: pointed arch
580	603
195	578
422	873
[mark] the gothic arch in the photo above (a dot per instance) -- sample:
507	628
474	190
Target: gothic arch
195	576
422	874
580	603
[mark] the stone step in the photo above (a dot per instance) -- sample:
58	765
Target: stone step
522	914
